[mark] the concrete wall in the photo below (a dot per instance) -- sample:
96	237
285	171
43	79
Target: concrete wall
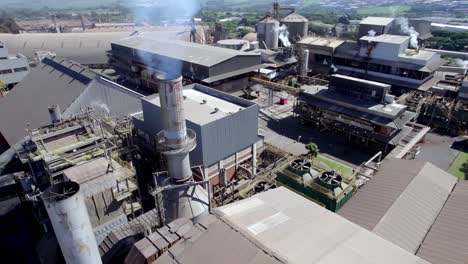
384	51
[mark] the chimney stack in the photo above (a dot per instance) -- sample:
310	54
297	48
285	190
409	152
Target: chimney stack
176	141
67	212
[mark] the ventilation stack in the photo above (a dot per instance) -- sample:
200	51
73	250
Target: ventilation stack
304	63
55	114
182	199
67	212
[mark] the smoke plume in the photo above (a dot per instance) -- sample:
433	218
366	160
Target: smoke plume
172	11
461	63
283	34
371	33
100	106
406	29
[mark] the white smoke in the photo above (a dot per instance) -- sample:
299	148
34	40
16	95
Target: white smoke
461	63
100	106
371	33
406	29
283	34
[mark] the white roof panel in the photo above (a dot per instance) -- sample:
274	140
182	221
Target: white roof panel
300	231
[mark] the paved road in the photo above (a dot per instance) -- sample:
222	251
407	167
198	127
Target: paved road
438	150
287	135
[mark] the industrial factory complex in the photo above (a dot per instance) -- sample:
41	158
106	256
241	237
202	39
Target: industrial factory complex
284	147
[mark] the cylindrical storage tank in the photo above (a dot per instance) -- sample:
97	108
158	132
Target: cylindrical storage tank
298	26
67	212
235	44
267	33
55	114
304	63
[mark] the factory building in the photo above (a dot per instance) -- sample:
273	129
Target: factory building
362	109
384	58
69	85
139	60
417	206
226	128
13	68
376	26
86	48
277	226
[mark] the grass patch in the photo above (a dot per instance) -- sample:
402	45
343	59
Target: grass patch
327	164
457	165
393	10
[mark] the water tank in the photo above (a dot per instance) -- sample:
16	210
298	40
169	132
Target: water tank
267	33
297	25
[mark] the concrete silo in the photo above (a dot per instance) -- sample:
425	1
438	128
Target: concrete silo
267	33
297	25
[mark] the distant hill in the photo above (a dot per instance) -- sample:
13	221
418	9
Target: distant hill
55	4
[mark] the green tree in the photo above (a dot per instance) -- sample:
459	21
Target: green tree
464	169
313	150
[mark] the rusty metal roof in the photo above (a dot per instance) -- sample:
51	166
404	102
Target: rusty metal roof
447	240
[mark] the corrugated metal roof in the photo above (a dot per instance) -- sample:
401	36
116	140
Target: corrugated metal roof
28	101
96	176
195	53
369	205
401	202
106	96
407	222
294	17
216	242
54	81
85	48
300	231
379	21
447	240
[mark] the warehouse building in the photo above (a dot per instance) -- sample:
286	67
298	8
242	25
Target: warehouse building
363	110
225	127
86	48
417	206
13	68
277	226
69	85
138	59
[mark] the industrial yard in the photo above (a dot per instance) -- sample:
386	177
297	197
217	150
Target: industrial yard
185	142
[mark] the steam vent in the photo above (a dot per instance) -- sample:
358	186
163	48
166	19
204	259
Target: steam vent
181	198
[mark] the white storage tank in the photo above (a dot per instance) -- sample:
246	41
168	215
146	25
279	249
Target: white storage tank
297	25
267	33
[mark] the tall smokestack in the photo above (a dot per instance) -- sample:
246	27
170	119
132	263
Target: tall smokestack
175	142
69	217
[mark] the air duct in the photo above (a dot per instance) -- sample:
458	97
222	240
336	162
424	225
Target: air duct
182	198
67	212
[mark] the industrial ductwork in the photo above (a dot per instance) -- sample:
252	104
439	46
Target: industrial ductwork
67	212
